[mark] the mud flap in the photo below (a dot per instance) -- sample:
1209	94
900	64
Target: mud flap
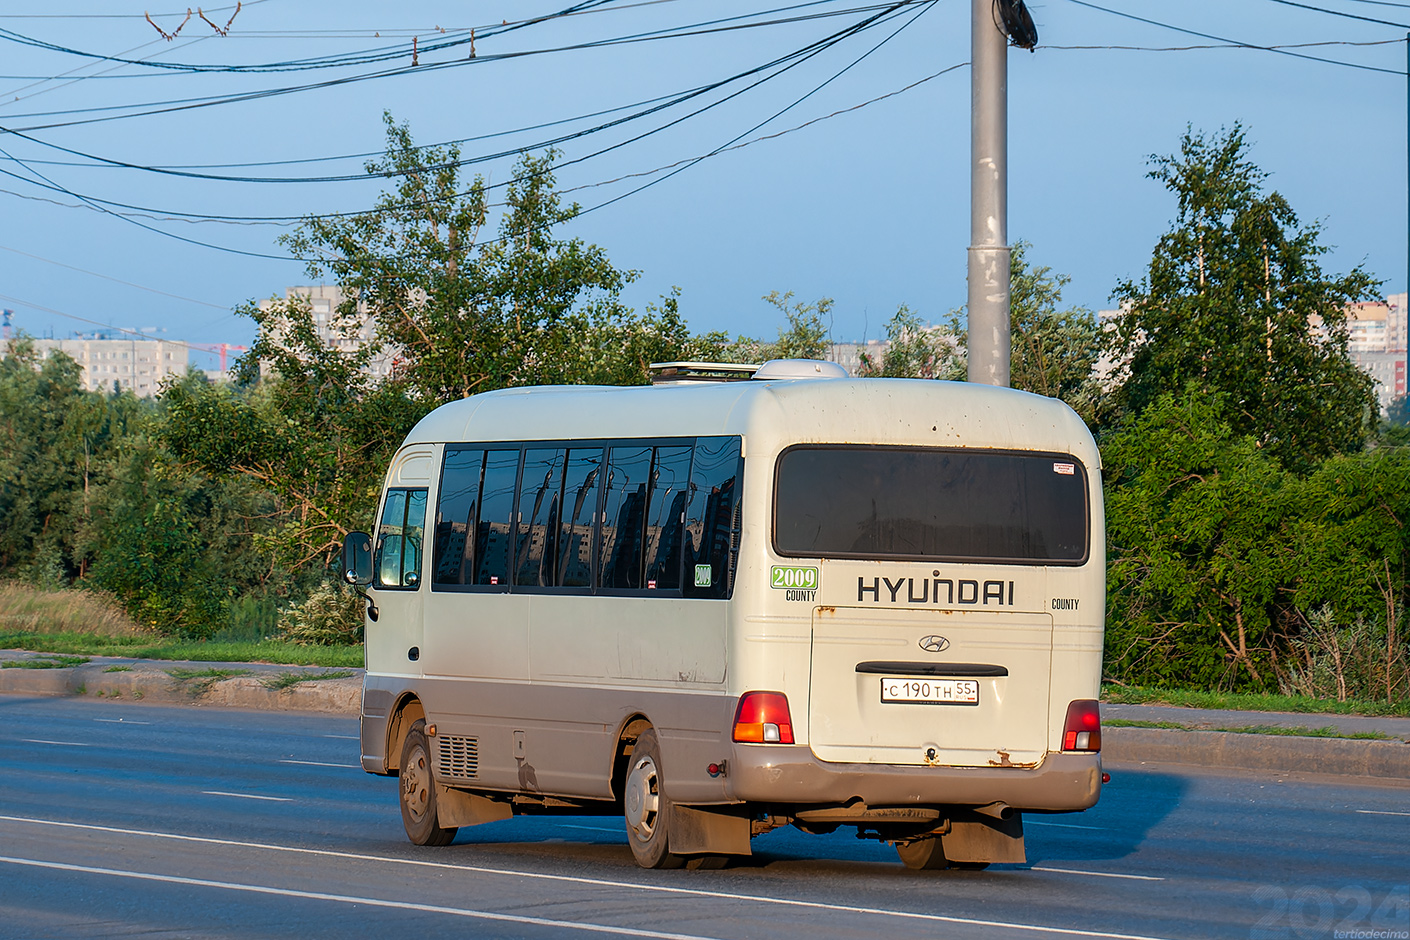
976	837
701	832
456	808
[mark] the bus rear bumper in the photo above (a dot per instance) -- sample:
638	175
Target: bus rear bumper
777	775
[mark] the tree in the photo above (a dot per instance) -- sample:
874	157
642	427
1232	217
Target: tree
915	350
467	314
1195	563
1234	301
1053	349
59	445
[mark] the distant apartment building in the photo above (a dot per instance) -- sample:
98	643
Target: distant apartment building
111	361
324	300
849	355
1377	343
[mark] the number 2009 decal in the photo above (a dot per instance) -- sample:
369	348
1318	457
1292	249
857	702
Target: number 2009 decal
796	578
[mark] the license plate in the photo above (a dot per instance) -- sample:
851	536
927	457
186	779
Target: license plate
930	691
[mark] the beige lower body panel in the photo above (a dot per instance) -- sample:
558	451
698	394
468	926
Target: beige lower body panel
558	740
780	775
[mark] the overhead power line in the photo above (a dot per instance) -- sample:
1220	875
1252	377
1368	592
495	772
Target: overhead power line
115	280
693	30
1234	42
794	57
1350	16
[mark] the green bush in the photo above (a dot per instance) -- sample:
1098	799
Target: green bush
332	615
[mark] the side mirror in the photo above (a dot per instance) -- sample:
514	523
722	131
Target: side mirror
357	559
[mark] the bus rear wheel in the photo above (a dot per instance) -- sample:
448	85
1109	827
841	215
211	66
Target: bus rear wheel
418	791
928	854
646	808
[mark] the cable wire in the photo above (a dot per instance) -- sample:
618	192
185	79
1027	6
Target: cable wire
1350	16
1235	42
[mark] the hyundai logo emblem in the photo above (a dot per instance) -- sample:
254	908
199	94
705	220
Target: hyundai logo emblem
934	644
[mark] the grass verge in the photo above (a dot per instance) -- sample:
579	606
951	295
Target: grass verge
1295	732
149	647
52	662
1259	702
199	681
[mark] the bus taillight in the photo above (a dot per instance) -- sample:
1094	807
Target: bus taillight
762	718
1083	729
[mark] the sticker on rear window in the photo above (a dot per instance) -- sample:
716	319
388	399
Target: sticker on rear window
1066	469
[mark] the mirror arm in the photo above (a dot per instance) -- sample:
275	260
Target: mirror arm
371	604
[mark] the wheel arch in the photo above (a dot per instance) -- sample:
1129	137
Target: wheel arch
628	731
406	712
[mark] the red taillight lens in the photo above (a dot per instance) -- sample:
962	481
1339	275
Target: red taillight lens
762	718
1083	729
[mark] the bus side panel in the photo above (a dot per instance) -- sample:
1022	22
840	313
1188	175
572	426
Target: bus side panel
561	740
635	639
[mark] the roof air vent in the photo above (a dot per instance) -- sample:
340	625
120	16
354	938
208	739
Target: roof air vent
800	369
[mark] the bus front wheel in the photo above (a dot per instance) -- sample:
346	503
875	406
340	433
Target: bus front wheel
646	807
418	790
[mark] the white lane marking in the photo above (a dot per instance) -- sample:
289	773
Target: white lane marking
319	763
341	737
123	721
1381	812
1098	874
350	899
59	743
619	832
577	879
249	796
1033	822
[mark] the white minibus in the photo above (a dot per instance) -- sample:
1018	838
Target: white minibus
719	606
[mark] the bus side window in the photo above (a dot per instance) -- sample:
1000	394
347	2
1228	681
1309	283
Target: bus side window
456	516
711	542
540	501
399	537
494	532
580	491
624	517
670	484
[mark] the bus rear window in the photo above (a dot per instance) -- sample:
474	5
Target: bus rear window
927	504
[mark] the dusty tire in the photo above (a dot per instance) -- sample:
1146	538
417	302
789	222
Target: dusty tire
417	786
922	854
646	808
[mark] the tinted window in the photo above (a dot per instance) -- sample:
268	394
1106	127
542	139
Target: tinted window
710	540
670	485
496	525
624	517
540	500
930	504
580	490
455	516
399	539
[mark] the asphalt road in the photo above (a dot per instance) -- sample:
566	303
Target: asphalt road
131	821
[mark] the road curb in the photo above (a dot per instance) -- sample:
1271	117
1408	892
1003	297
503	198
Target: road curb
1235	751
152	685
145	682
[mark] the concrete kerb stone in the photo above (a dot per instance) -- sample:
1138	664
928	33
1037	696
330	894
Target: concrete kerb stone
1278	753
146	681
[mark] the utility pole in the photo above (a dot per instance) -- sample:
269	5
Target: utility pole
989	341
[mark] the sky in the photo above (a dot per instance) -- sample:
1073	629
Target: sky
852	181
